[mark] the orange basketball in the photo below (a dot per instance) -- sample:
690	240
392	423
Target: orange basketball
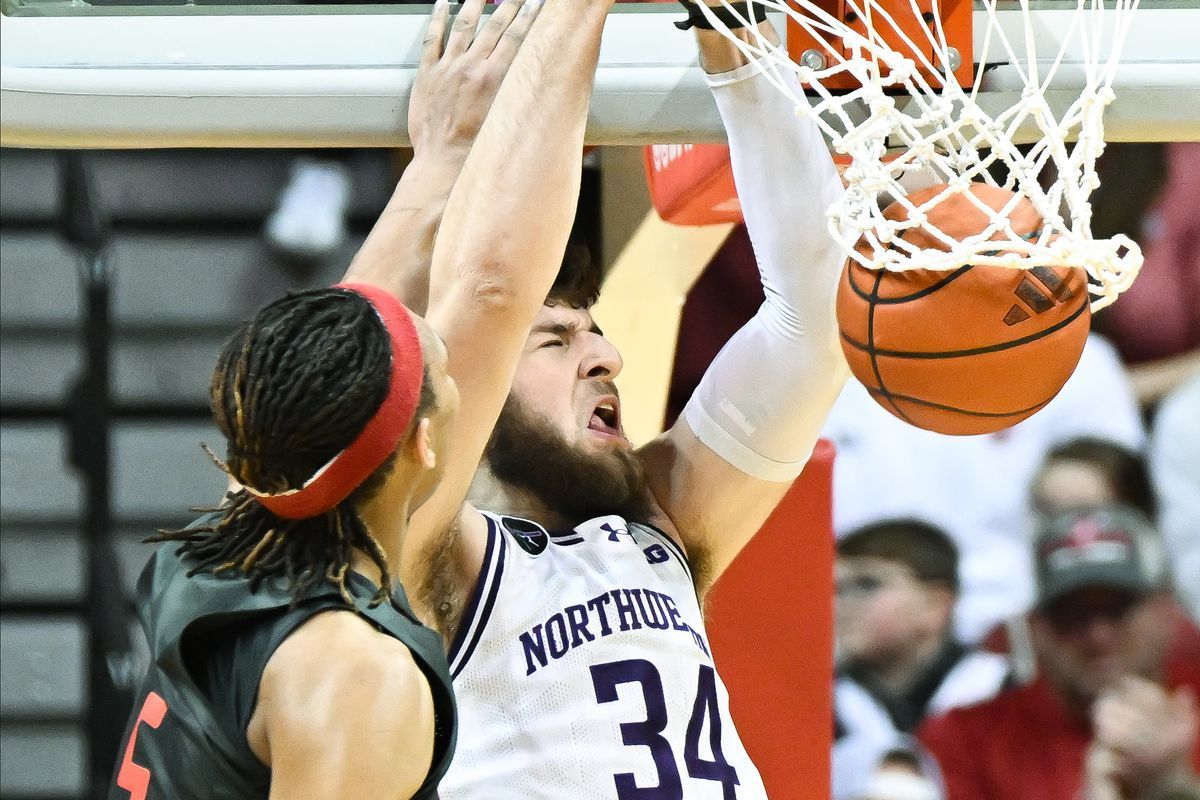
970	351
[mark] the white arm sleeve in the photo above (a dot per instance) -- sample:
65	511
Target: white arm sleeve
762	402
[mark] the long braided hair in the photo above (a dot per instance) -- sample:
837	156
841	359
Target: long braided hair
291	389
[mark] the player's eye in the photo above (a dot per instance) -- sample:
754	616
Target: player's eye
557	341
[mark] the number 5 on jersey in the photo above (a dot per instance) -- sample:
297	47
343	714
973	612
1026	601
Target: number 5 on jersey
134	778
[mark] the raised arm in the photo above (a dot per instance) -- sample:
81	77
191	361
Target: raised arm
453	90
751	425
502	240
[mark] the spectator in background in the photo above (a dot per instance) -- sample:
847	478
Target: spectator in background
1113	714
1175	465
897	583
1081	473
973	487
1087	472
1150	192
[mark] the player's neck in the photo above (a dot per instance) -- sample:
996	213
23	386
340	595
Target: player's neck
490	494
386	518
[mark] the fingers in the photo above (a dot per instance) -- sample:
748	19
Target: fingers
1146	728
1142	692
1122	729
494	28
511	37
462	32
1129	712
435	33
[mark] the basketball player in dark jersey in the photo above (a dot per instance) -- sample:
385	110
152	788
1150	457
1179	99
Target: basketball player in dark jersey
286	661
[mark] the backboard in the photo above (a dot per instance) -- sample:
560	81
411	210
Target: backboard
100	76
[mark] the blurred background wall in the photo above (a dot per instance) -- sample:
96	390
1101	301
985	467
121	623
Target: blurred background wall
187	260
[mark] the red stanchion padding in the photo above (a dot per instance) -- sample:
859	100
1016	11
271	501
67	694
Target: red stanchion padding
692	184
770	624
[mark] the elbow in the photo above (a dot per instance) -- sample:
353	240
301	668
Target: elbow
492	287
486	290
496	275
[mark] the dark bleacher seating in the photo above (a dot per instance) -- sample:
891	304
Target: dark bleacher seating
189	262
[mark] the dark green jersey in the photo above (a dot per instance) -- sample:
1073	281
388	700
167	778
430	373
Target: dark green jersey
210	638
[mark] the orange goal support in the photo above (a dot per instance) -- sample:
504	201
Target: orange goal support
956	25
693	184
770	623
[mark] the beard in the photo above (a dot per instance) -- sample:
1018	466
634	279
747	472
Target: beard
527	453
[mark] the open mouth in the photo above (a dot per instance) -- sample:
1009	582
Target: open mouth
606	417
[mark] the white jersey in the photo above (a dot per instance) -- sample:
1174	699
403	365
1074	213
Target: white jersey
582	671
866	732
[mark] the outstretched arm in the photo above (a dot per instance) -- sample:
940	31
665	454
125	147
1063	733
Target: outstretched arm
453	90
450	98
501	243
751	425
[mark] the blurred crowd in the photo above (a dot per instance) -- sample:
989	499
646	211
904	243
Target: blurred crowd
1017	613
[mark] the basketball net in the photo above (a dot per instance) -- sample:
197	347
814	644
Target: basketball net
909	125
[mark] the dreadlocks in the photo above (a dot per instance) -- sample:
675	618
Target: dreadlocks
291	389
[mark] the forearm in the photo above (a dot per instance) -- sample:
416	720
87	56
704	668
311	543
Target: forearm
510	213
763	401
397	253
785	178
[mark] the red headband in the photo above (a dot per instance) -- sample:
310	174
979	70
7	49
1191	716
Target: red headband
334	482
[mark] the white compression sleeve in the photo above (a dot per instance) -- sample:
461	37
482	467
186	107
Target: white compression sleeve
763	401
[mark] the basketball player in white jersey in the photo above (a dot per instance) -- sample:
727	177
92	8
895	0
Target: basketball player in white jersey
569	587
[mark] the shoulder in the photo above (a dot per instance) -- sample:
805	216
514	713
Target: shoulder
976	677
340	698
339	659
857	710
958	726
338	644
949	730
707	504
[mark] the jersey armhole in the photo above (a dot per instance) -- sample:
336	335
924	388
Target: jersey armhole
483	599
228	672
671	545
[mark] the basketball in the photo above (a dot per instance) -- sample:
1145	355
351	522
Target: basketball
970	351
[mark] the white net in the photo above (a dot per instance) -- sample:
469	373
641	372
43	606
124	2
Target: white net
909	125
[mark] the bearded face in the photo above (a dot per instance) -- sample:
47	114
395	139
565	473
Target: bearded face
528	453
1091	638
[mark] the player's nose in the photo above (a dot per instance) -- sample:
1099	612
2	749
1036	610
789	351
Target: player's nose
601	359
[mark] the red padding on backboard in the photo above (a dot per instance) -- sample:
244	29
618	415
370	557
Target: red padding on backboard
770	623
692	184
